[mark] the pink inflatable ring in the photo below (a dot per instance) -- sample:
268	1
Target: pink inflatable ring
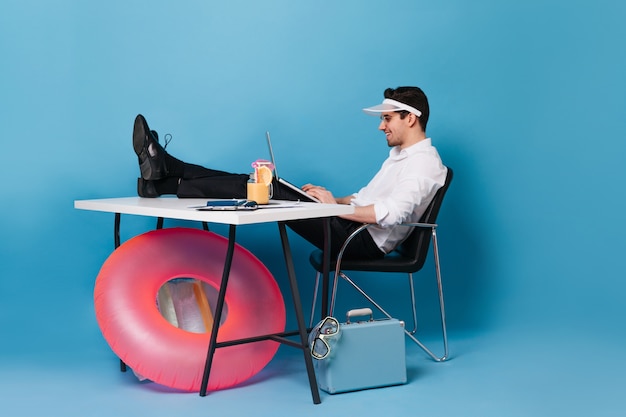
126	310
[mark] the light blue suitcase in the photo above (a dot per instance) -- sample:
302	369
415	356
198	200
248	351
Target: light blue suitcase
367	354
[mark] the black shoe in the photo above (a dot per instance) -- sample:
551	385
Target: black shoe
146	189
150	153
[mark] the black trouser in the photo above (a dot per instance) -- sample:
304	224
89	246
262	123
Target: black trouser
200	182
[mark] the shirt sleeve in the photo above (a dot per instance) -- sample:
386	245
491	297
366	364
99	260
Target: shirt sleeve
404	186
409	194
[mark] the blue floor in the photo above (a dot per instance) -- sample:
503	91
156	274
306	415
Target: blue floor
537	359
538	372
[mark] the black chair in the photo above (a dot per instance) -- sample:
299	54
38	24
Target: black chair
408	258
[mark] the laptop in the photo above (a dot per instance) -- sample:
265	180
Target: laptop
281	180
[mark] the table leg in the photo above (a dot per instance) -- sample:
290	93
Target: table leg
116	230
295	295
325	268
117	243
218	310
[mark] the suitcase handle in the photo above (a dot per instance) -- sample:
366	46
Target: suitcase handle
357	312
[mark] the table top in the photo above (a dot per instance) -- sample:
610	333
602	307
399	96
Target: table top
183	209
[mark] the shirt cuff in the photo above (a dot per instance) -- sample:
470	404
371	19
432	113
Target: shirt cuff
381	212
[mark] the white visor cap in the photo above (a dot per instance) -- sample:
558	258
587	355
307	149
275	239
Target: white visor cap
391	105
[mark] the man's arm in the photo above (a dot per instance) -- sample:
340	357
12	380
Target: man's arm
344	200
365	214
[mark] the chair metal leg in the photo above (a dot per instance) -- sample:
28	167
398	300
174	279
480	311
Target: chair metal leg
364	294
371	300
442	308
408	333
413	307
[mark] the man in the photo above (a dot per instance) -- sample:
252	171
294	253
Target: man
400	191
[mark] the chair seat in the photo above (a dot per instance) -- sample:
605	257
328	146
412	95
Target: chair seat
392	262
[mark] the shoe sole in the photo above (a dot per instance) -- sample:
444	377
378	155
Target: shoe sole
140	137
140	146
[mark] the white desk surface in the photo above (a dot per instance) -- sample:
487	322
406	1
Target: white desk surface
179	208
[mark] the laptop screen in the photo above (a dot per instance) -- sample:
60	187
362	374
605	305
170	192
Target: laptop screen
269	145
278	178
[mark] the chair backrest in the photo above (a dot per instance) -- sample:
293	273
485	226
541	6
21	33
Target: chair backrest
415	246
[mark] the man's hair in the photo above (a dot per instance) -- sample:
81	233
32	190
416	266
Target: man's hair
414	97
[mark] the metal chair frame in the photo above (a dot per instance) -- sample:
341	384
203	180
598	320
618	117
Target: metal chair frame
415	264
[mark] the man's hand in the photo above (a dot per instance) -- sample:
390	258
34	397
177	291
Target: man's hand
321	193
365	214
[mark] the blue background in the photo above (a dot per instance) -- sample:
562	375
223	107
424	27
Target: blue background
528	106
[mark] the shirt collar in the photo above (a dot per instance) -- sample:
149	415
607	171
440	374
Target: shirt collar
397	154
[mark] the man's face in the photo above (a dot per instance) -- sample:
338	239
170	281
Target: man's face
394	128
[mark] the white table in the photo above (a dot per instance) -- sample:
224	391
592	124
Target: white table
180	209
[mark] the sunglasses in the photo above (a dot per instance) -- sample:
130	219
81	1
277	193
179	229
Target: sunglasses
325	333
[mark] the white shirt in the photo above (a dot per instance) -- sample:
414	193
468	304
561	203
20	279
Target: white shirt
401	191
